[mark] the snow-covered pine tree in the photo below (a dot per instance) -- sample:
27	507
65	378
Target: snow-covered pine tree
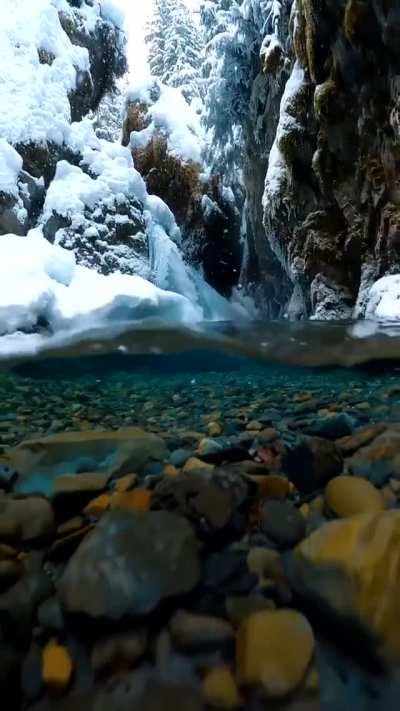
176	47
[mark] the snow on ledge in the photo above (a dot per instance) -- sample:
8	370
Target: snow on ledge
171	114
10	166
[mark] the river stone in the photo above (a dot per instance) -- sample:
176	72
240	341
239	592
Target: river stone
283	523
129	564
32	518
349	495
312	462
274	650
39	461
379	460
195	632
208	506
367	548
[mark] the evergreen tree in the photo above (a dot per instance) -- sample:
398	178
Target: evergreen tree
176	47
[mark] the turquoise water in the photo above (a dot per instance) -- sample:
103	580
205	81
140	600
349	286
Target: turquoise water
178	390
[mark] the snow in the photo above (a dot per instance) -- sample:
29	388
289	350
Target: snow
114	14
35	94
278	173
10	166
72	190
383	302
42	282
171	115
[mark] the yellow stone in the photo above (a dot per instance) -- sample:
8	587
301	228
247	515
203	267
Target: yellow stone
305	510
220	689
125	483
96	507
57	667
265	563
274	650
194	464
214	429
350	495
368	548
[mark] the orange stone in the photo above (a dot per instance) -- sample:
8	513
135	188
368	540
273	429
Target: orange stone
96	507
170	470
272	486
57	667
125	483
193	465
137	500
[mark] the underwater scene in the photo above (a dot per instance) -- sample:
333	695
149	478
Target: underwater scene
181	510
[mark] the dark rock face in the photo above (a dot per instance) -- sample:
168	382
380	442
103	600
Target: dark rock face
331	199
129	564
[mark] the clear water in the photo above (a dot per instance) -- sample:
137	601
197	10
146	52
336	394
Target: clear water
173	381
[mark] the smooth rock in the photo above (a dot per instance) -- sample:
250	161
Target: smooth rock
220	689
332	427
312	462
283	523
129	563
380	460
31	517
238	608
198	498
265	563
366	548
274	650
80	483
349	495
119	650
349	445
137	500
195	632
40	461
57	667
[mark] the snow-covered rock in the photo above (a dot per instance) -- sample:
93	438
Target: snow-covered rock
168	113
384	299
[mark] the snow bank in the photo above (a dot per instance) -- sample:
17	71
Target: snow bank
41	285
10	166
170	114
384	299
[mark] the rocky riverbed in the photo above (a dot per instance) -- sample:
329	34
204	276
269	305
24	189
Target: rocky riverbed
193	539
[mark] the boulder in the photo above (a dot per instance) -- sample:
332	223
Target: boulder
129	564
366	549
39	462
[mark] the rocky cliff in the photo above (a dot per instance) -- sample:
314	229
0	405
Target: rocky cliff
322	152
